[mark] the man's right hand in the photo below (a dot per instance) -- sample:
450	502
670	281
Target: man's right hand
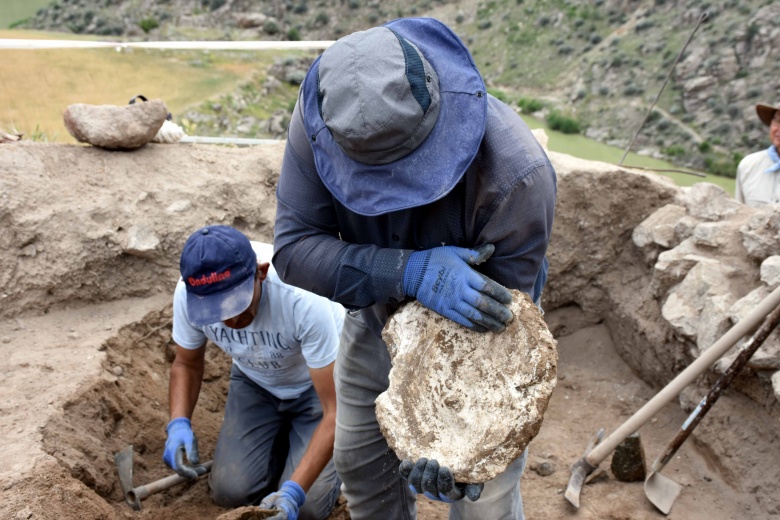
181	440
442	279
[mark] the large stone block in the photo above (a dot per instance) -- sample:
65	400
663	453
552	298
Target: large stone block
473	401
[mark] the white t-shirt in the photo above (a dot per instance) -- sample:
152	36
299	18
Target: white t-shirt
294	330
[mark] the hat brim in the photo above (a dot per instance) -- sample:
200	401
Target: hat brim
215	308
435	166
766	113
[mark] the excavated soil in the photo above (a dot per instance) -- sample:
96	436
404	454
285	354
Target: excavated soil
82	378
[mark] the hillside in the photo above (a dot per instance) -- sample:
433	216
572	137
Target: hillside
601	63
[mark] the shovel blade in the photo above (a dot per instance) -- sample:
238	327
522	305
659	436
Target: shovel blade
661	491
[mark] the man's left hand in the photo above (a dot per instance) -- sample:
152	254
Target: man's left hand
287	500
437	482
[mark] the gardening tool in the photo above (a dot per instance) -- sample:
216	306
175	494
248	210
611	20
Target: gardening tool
134	495
661	490
593	457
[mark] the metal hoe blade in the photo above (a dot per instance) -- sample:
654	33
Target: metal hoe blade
124	467
134	495
580	470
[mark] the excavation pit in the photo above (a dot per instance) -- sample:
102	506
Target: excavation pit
86	349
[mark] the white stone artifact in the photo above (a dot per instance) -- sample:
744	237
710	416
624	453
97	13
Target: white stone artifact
472	401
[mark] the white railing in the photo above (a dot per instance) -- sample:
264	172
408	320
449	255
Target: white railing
17	43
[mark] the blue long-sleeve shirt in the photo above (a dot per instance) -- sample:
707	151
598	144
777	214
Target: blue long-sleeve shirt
506	198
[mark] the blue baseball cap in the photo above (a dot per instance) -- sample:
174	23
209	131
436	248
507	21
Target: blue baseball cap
394	115
218	267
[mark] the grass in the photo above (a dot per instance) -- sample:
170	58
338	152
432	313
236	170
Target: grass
36	86
584	148
15	10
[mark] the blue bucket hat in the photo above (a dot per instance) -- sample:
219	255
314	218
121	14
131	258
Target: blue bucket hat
218	267
394	115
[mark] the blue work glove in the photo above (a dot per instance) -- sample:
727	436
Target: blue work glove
436	482
182	441
288	500
442	279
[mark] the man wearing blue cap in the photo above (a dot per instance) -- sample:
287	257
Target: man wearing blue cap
402	178
280	412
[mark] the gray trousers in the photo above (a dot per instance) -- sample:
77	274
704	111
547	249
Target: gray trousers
262	441
369	468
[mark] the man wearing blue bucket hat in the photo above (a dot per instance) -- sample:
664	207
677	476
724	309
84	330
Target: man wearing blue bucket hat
402	178
280	412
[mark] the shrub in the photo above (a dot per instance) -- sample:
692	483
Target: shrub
674	151
705	147
216	4
484	24
655	115
321	19
543	21
561	123
293	35
724	166
270	27
529	105
633	90
148	24
460	18
644	25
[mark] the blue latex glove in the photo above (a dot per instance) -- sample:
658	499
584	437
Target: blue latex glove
288	500
436	482
442	279
182	441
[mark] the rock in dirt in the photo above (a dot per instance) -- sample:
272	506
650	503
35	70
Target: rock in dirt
248	513
115	127
472	401
628	461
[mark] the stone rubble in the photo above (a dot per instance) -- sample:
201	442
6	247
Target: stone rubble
714	275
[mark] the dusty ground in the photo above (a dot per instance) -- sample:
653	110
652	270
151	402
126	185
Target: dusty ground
127	405
85	342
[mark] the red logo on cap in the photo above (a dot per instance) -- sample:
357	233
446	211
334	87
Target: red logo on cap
208	280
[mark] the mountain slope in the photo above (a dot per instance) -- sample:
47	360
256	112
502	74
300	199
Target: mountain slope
600	62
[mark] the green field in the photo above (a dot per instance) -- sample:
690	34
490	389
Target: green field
581	146
36	86
15	10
